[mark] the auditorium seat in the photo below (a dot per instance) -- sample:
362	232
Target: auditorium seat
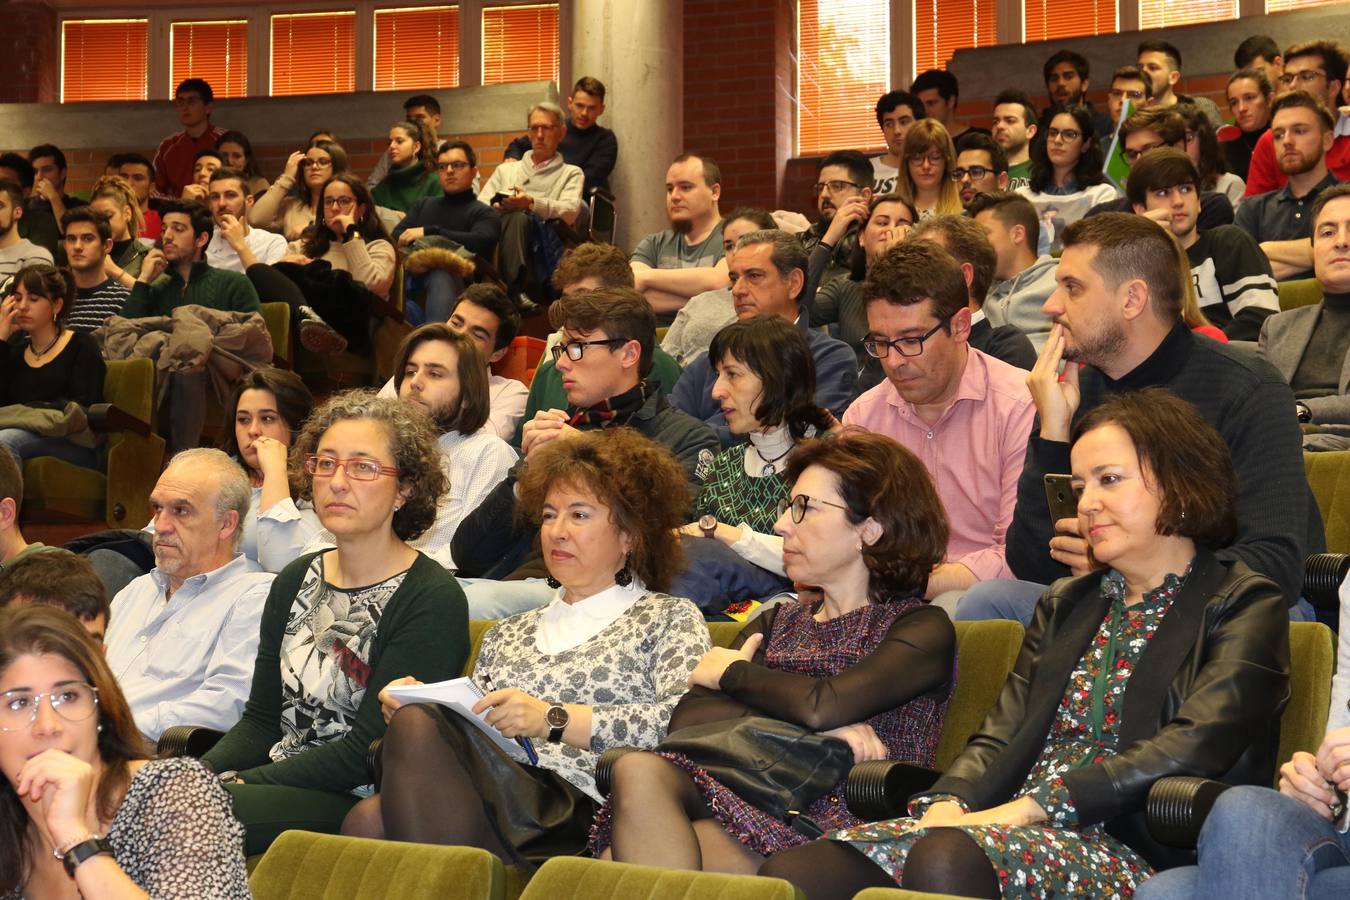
579	878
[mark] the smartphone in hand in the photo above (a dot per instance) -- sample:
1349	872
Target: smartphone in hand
1061	497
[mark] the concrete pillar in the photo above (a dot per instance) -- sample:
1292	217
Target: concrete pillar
636	47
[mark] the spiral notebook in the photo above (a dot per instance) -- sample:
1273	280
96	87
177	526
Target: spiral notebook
460	695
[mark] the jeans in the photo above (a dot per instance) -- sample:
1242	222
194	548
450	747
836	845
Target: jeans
441	291
1260	844
490	599
23	444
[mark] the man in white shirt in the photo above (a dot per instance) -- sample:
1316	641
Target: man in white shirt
183	638
234	245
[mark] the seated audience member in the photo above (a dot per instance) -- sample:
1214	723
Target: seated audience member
926	181
49	182
896	111
69	738
37	224
236	152
340	624
412	168
1260	52
939	92
1066	76
422	110
601	666
842	179
182	637
1189	657
1161	62
13	547
1014	130
1319	68
1022	281
1250	95
768	272
969	244
139	172
457	216
1117	315
44	368
234	245
981	167
1066	174
206	163
707	313
293	202
590	147
16	252
959	410
114	197
604	360
1128	83
98	295
686	259
1202	146
177	154
869	663
531	193
1233	283
1309	345
61	579
1304	131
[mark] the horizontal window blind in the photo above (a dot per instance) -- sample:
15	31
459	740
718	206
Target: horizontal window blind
103	59
1286	5
520	43
1049	20
843	67
215	51
416	47
941	27
1170	13
314	53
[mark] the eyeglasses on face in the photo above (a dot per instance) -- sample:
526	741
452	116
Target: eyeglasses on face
1118	94
1065	134
933	159
1132	156
1307	76
975	173
357	468
576	349
73	702
908	346
800	503
834	186
339	202
319	163
456	165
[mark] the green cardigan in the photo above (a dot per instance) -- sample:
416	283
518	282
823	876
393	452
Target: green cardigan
424	632
403	187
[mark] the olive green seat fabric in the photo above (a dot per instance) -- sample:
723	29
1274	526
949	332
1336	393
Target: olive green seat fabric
1300	292
899	894
576	878
1329	476
301	865
1312	657
278	319
986	651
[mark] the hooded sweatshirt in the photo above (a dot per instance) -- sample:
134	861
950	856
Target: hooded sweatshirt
1017	301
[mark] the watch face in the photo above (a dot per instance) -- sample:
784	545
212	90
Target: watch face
556	717
707	523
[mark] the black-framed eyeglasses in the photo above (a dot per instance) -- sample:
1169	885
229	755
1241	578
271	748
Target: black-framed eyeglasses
800	503
1117	94
906	346
835	185
74	702
575	349
358	468
339	202
1132	156
457	165
1065	134
975	173
1307	76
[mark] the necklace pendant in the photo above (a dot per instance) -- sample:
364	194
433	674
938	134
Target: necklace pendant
768	470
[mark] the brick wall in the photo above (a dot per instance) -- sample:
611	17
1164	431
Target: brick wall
29	47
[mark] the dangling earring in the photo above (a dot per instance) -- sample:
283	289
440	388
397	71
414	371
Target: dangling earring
623	578
553	582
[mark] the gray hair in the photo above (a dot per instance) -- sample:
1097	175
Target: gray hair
233	491
547	106
788	252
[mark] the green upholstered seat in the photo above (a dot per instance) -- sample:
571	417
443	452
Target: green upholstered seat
1329	476
301	864
1312	657
576	878
278	319
1300	292
986	651
900	894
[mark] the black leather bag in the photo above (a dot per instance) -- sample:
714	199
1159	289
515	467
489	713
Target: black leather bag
775	766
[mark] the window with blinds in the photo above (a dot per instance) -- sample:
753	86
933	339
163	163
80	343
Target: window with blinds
215	51
520	43
416	47
941	27
1286	5
1170	13
843	67
1049	20
313	53
103	59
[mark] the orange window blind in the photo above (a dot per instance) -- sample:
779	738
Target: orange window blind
1049	20
1170	13
520	43
416	47
1286	5
103	59
843	67
314	53
941	27
216	51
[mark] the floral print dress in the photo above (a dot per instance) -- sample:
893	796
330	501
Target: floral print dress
1058	858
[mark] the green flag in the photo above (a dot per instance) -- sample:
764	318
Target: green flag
1117	168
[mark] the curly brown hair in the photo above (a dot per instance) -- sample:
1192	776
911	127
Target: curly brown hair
412	443
880	479
637	478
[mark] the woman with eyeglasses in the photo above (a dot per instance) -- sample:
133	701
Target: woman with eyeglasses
412	168
1066	173
870	663
341	624
83	811
924	182
291	204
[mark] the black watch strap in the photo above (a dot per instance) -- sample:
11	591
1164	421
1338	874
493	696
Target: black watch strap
351	232
94	846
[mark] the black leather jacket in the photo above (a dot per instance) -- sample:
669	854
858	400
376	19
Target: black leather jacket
1204	700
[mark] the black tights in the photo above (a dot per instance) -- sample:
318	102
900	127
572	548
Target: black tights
944	861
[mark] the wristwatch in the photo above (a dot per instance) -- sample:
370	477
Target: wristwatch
708	525
1303	412
351	232
94	845
557	718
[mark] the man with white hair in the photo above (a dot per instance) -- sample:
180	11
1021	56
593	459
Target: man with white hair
184	636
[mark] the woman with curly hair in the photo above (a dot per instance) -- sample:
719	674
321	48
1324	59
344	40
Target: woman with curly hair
114	197
924	182
870	663
340	624
412	168
601	666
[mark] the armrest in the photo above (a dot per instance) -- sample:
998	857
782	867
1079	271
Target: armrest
604	769
1322	577
105	418
881	788
1178	806
187	740
375	762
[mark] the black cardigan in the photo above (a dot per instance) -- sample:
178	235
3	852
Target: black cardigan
1204	700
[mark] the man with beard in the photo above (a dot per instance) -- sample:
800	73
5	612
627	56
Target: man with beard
686	259
981	167
15	251
1118	323
1281	221
88	241
38	224
844	175
1066	76
183	637
234	245
1014	128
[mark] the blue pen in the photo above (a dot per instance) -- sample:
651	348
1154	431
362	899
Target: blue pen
526	744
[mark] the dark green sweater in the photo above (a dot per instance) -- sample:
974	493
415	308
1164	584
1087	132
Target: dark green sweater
206	286
403	187
423	632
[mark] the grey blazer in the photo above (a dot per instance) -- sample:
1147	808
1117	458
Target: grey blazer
1284	340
